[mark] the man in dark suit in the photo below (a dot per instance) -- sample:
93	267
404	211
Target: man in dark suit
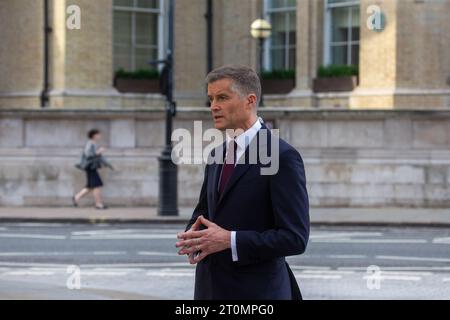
246	221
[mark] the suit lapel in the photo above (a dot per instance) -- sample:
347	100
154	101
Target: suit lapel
217	168
215	183
238	172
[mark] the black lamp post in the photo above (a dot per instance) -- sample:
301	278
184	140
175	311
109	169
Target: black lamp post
261	30
168	173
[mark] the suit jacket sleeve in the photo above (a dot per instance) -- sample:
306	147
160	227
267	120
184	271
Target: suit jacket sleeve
291	215
202	205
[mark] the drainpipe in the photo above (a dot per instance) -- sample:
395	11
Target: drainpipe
47	31
209	34
209	39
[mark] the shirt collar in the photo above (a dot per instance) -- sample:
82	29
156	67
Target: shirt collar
244	139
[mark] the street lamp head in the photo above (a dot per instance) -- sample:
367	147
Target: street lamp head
261	29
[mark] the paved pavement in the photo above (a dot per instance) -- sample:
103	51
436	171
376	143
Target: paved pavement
89	215
330	216
139	261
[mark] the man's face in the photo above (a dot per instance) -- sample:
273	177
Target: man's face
229	110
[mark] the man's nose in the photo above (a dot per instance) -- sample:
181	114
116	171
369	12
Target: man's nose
214	106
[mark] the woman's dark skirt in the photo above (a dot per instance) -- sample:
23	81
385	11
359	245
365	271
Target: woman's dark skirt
93	179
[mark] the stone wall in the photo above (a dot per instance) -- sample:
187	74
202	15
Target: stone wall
353	158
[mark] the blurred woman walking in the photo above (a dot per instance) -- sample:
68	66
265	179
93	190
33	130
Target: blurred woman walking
92	160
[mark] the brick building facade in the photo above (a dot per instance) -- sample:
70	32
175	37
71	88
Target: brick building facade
384	142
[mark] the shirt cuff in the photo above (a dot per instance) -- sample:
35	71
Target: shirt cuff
233	246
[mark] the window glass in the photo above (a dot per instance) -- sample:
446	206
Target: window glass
281	46
151	4
344	32
136	33
146	25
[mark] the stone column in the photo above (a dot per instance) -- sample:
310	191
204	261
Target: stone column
377	59
238	46
308	34
82	59
21	53
232	43
423	54
407	64
190	52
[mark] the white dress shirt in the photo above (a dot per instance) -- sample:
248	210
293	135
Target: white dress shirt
242	142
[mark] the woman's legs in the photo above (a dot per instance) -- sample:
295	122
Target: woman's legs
94	184
81	194
98	197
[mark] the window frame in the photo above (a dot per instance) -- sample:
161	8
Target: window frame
268	11
161	45
328	44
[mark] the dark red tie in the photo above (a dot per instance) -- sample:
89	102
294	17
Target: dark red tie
228	166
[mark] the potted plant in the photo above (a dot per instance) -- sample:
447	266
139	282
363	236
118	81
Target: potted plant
278	81
139	81
336	78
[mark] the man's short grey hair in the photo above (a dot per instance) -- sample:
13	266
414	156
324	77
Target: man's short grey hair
245	80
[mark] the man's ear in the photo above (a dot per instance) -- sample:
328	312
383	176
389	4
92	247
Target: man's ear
251	100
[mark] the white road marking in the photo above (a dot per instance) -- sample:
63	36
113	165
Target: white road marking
163	254
32	236
169	272
325	272
36	224
431	259
105	232
103	273
317	276
174	231
294	267
407	273
28	273
445	240
344	234
27	254
346	256
393	277
112	270
55	253
53	269
34	264
360	241
184	270
139	265
404	269
97	232
109	253
170	236
62	270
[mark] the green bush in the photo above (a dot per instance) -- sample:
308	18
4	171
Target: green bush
334	70
279	74
138	74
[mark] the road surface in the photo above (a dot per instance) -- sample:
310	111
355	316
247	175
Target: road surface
64	261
